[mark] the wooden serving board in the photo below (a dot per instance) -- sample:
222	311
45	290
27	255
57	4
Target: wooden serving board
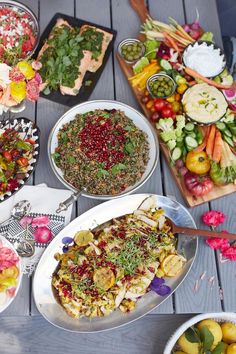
217	191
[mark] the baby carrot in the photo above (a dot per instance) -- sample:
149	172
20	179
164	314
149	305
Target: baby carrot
210	141
196	75
218	144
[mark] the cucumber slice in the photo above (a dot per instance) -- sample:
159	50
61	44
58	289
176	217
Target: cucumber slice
176	154
228	133
221	126
228	140
165	64
191	142
189	127
192	134
199	136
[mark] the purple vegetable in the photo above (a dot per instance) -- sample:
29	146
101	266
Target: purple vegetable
183	170
232	106
163	51
195	26
179	163
67	240
186	28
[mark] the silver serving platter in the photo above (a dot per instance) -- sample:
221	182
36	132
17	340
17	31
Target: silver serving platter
43	294
138	119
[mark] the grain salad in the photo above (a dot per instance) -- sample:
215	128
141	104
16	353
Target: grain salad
102	150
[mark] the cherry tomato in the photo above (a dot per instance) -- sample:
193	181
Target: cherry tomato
159	104
7	155
168	105
166	112
144	99
198	185
22	161
155	117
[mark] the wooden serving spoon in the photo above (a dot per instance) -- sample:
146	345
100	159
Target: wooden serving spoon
198	232
140	8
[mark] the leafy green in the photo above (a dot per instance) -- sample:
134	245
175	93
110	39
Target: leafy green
71	159
92	40
207	36
22	145
117	168
129	147
56	157
88	83
192	335
207	337
102	173
219	349
150	48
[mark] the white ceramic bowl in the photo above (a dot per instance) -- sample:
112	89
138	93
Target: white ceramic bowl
138	119
9	299
218	317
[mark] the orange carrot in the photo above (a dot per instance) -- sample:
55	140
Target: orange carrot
202	146
218	145
171	41
191	83
210	141
196	75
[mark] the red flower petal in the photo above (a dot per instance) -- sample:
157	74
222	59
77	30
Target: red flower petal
40	221
213	218
42	234
230	253
217	243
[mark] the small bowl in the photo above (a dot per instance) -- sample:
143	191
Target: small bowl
218	317
206	44
130	41
153	78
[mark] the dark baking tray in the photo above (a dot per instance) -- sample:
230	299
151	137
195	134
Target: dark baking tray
85	91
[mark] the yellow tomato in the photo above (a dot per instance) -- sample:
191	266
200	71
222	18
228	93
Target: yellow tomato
18	90
26	69
198	162
182	88
171	99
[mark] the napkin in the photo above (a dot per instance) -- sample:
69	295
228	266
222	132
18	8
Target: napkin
44	201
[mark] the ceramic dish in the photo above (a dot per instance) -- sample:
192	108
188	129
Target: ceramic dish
7	298
218	317
138	119
131	41
27	130
154	78
42	290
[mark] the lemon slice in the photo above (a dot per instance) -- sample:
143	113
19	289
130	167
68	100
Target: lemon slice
172	265
83	237
104	278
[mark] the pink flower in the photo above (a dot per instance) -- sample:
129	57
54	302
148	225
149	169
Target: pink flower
25	221
32	90
36	65
11	292
230	253
40	221
42	234
213	218
16	75
217	243
38	78
8	258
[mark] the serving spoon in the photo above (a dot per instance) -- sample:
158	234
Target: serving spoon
188	231
19	210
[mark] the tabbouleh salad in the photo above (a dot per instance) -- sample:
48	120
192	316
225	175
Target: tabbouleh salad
102	150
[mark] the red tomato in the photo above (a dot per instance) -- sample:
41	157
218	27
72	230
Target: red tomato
198	185
168	105
7	155
166	112
22	161
159	104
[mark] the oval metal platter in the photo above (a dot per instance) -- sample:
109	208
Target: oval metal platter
42	290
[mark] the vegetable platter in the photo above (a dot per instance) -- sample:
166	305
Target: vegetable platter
72	54
180	79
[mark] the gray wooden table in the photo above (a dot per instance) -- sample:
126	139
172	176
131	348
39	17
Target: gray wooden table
22	329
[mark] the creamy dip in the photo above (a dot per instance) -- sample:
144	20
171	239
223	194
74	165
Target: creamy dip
204	103
205	59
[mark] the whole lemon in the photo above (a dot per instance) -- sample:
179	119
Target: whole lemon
231	349
188	347
229	332
214	328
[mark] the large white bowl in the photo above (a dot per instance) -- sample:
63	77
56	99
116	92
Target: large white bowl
7	244
139	120
217	316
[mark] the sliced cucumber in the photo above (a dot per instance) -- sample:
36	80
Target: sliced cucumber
191	142
189	127
228	133
228	140
192	134
165	64
199	136
176	153
221	126
180	139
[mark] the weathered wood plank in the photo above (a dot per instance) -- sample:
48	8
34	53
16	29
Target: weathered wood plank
36	336
206	298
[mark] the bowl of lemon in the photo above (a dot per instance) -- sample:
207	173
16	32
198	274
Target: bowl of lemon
205	334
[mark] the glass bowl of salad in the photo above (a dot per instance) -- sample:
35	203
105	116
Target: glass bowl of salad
19	32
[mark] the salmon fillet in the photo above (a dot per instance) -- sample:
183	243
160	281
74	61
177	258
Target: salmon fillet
96	63
84	64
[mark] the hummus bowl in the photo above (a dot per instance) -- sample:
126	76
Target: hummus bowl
204	104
